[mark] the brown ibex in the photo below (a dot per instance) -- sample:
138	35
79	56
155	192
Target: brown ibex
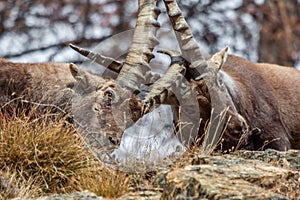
263	99
44	88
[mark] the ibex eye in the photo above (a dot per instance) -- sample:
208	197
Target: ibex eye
108	94
108	97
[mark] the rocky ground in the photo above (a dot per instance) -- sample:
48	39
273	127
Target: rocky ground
241	175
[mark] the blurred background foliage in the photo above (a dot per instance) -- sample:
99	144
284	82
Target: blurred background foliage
40	30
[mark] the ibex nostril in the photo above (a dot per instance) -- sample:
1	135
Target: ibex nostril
113	140
96	109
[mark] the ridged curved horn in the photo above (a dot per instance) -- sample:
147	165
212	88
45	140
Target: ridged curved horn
144	40
161	90
108	62
188	45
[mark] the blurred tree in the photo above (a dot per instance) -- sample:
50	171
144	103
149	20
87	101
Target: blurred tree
280	32
40	30
218	23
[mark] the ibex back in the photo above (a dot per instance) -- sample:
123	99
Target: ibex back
263	101
43	83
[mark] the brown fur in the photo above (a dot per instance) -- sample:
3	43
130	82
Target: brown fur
42	83
267	97
74	90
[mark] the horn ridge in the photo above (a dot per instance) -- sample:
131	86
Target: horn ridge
110	63
144	40
187	43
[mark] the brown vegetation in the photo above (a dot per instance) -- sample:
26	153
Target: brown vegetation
45	156
42	153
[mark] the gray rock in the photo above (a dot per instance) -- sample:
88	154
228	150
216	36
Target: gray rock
287	159
230	177
142	195
84	195
241	175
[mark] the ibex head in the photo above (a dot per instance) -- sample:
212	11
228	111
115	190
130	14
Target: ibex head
113	100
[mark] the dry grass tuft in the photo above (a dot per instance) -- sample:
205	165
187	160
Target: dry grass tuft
109	183
45	155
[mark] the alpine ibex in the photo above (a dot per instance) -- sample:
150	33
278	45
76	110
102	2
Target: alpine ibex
49	87
261	99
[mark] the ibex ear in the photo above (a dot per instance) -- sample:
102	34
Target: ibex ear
76	72
80	75
220	58
85	81
82	81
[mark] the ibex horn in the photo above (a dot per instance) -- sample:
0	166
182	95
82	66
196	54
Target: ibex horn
187	43
140	53
108	62
161	90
